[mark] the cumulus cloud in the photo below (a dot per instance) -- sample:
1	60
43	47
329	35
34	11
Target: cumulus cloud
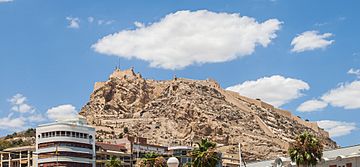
74	22
18	104
276	90
312	105
337	128
62	112
184	38
347	95
355	72
311	40
9	123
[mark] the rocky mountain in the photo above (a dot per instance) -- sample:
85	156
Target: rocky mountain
182	111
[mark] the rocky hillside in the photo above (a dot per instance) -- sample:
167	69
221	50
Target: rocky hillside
181	111
23	138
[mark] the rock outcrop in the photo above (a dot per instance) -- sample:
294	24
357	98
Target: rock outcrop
182	111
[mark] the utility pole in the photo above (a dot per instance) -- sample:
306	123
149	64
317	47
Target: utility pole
57	156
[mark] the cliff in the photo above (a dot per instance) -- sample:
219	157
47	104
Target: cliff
182	111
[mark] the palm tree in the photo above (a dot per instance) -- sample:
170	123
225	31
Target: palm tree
113	162
205	155
306	150
152	160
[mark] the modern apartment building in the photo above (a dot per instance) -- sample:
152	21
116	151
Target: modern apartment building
69	143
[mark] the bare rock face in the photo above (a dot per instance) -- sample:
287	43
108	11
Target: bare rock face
182	111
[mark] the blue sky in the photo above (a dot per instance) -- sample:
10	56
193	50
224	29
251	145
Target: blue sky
52	52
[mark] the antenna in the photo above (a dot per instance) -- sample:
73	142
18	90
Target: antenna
119	64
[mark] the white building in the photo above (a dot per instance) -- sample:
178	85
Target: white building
68	143
341	157
182	153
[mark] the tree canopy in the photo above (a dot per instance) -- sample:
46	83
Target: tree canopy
306	150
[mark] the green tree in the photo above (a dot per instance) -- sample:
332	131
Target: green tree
205	155
153	160
113	162
306	150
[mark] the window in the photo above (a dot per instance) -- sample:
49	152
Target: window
68	134
348	164
77	134
57	133
72	134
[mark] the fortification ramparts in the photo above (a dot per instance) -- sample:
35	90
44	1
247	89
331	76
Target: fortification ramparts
312	125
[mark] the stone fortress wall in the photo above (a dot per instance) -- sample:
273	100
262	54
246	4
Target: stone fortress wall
313	125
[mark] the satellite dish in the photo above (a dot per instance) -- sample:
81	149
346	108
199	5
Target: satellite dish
278	162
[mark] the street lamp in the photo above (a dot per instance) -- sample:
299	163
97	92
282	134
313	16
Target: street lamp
172	162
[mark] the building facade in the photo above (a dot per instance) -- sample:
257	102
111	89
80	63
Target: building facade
105	151
68	143
341	157
17	157
182	153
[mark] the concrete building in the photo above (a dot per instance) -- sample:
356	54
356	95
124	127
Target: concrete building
17	157
181	152
138	146
105	151
342	157
65	143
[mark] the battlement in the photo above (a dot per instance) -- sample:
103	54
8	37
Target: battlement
128	73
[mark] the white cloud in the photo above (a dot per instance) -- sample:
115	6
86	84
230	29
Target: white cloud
312	105
139	24
276	90
74	22
355	72
90	19
184	38
6	1
11	124
105	22
347	95
311	40
18	104
337	128
62	112
108	22
34	118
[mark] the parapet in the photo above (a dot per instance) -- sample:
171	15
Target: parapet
213	83
128	73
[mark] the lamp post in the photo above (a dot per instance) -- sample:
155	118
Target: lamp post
172	162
